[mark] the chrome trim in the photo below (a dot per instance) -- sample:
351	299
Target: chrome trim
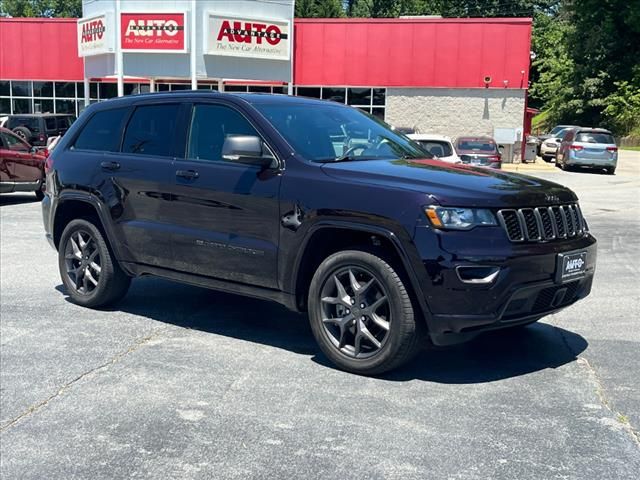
478	281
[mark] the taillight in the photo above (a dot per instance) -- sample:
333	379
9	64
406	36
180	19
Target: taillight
48	164
576	148
612	149
494	158
45	152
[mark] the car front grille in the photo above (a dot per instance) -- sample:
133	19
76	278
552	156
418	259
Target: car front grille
542	224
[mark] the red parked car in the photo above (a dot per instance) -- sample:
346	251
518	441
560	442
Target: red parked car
21	165
482	151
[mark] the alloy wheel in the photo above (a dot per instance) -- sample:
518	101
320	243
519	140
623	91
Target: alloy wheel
356	315
82	261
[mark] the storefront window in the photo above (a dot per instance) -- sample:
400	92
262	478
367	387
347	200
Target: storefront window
180	86
334	94
22	105
378	112
108	90
5	88
5	106
93	90
162	87
259	89
379	95
66	106
65	89
312	92
359	96
41	105
235	88
21	89
43	89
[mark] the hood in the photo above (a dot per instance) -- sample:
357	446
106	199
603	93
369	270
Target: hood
454	185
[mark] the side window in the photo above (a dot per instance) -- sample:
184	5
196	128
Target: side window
210	125
13	143
151	130
102	131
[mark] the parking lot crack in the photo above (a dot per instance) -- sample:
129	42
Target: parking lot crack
114	359
601	391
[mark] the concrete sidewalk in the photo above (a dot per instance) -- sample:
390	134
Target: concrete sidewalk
538	166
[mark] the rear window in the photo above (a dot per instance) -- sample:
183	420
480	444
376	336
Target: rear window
64	122
102	131
437	148
477	146
151	130
594	137
32	123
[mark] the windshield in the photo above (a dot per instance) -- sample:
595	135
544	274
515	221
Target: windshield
482	146
326	133
439	148
595	137
556	130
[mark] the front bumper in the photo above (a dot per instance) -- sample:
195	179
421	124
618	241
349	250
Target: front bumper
524	289
548	151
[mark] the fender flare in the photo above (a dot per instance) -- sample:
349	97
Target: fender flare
376	230
101	211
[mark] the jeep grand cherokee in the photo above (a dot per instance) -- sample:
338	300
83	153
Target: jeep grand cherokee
314	205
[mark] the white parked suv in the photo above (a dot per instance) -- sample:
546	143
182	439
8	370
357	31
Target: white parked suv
438	145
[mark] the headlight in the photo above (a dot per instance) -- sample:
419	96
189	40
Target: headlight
459	218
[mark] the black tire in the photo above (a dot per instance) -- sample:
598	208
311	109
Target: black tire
112	283
401	339
611	171
23	132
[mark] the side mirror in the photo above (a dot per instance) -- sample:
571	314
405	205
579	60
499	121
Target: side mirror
247	149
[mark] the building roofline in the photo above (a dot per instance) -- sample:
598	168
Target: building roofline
505	20
511	20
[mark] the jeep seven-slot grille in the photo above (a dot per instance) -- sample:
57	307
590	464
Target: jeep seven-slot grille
542	223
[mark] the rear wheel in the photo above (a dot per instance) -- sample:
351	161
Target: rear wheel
361	313
23	132
88	270
611	170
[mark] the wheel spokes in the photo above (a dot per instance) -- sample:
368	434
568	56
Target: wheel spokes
378	320
353	312
76	250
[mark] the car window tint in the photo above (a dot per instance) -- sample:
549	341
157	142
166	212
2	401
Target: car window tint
102	131
13	143
437	148
210	125
50	122
151	130
594	137
31	123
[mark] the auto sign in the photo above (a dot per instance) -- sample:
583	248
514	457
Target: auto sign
153	32
248	37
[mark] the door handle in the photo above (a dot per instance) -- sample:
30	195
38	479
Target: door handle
110	165
187	174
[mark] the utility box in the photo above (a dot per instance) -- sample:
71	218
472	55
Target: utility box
530	149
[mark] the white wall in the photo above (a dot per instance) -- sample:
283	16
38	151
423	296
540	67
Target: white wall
455	112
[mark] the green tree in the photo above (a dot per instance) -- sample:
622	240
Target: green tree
319	9
41	8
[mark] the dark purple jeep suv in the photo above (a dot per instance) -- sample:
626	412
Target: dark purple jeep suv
314	205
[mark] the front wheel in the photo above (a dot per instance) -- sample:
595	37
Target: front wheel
88	270
361	313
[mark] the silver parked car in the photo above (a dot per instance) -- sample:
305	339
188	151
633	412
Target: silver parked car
588	147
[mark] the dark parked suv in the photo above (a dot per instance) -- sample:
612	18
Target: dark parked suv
314	205
38	127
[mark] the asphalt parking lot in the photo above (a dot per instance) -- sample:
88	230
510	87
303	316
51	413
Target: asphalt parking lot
181	382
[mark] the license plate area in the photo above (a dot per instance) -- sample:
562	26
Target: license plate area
570	266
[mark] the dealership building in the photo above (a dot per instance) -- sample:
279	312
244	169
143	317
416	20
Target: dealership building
447	76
